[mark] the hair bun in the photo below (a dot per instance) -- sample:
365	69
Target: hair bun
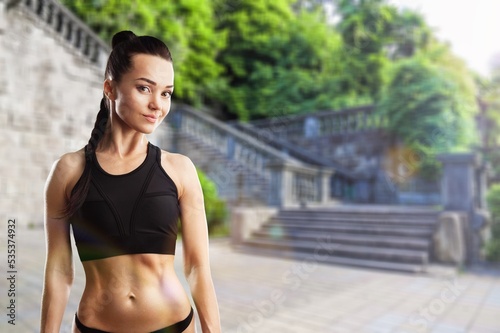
122	36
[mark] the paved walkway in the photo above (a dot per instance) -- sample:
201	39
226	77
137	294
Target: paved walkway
258	294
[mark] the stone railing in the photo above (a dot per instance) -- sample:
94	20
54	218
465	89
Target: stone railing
323	123
291	181
299	185
293	150
68	26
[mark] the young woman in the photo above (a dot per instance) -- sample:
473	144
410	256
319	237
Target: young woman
123	197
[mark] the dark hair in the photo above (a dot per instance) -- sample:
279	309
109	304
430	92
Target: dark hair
125	45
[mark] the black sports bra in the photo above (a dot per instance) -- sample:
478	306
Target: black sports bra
131	213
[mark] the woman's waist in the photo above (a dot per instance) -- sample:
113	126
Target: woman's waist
133	310
129	296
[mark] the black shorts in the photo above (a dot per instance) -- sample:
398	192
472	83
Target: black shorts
175	328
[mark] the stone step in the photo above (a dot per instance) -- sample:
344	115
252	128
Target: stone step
377	237
329	247
348	239
358	209
334	227
310	258
397	221
410	216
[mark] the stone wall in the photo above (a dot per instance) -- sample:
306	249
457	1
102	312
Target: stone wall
49	97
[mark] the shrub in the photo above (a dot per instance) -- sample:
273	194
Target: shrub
215	208
492	247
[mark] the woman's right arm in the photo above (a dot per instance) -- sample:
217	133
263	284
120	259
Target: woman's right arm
59	271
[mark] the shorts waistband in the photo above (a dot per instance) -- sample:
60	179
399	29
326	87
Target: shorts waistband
178	327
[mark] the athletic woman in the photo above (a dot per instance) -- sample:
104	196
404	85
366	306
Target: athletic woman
123	198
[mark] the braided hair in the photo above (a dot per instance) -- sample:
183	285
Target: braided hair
125	45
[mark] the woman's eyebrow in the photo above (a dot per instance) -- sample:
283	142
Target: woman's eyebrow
151	82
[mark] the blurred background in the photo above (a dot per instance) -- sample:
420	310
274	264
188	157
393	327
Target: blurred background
345	133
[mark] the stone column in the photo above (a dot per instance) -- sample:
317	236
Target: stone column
461	192
280	192
458	183
324	177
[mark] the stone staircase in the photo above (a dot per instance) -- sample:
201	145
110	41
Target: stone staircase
236	182
244	169
240	161
379	237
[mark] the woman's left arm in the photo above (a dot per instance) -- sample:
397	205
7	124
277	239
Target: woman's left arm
195	248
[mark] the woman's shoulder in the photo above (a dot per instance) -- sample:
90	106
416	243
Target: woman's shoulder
65	172
176	160
71	161
68	168
180	168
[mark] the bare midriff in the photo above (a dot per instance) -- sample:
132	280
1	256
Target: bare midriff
132	293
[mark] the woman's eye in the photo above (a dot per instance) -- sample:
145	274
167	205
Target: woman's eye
143	88
167	94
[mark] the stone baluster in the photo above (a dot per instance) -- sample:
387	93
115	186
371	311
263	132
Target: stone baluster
38	7
86	45
94	52
77	42
31	4
70	31
59	25
69	27
369	120
49	13
44	11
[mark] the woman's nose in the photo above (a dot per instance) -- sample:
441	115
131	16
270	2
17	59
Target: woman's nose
155	103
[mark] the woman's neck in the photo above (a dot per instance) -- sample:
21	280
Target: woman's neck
123	145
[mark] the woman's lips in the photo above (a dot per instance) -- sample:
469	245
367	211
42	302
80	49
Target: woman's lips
151	119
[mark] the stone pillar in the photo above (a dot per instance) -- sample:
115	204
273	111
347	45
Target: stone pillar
311	127
324	185
458	183
245	220
462	192
280	192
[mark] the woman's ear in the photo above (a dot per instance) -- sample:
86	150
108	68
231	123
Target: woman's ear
109	89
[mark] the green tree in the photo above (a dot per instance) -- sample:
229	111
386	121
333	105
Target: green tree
278	62
187	27
489	95
409	34
489	100
428	106
366	27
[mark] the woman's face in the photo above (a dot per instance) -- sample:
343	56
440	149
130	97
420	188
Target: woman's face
142	98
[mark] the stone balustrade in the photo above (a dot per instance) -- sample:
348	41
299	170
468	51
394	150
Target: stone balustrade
353	120
69	27
291	182
299	185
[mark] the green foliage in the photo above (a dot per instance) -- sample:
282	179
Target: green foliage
428	107
492	247
366	27
278	62
215	208
493	199
489	95
410	34
265	58
186	26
